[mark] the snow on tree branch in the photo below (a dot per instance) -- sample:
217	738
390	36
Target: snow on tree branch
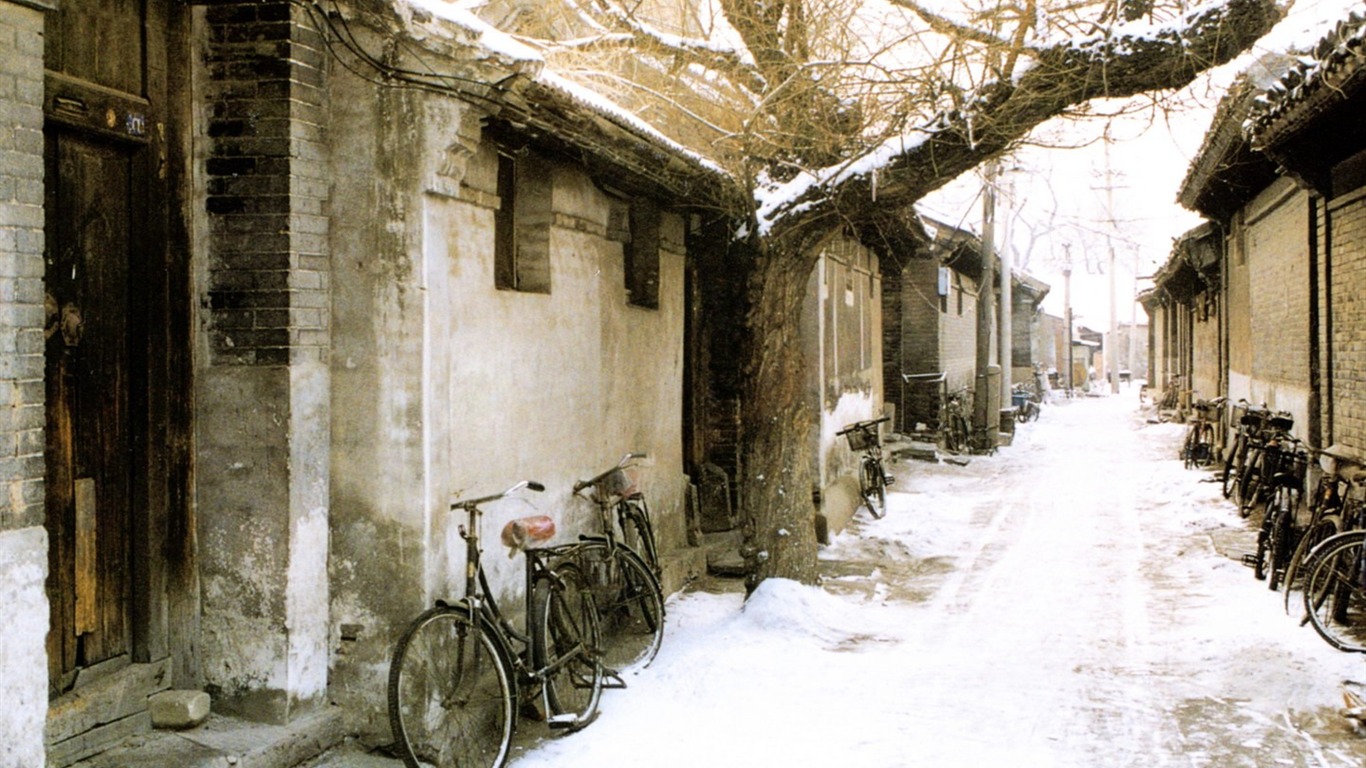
1124	60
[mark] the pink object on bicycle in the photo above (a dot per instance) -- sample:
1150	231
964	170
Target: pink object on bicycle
527	530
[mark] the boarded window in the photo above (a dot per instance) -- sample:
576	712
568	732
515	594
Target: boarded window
641	253
521	250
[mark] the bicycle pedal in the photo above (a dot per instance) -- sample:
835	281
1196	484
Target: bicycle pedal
888	480
612	680
1250	560
563	721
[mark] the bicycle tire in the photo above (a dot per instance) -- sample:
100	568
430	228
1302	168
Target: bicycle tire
872	488
1277	535
1249	484
1204	445
1335	595
956	440
565	645
452	694
629	601
1327	526
633	516
1233	467
1188	447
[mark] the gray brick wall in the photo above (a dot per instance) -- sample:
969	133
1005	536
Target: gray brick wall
21	267
1278	303
1348	238
269	279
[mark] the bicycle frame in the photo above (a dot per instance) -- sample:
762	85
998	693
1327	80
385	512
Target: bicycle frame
480	599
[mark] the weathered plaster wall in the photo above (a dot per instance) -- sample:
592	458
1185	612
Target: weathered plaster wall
23	662
262	392
444	386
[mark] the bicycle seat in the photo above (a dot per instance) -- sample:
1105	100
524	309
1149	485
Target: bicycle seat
527	530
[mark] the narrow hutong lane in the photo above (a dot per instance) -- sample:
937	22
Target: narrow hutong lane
1074	600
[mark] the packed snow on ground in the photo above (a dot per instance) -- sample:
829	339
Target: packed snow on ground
1074	600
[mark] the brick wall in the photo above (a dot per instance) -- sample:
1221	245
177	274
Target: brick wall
23	541
1348	297
21	267
267	187
1278	296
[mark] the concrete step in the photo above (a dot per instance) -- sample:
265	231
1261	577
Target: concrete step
226	741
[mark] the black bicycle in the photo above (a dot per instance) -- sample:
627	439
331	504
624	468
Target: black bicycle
1279	534
461	672
873	480
1198	449
1251	421
623	569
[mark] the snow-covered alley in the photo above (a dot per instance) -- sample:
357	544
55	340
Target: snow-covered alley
1074	600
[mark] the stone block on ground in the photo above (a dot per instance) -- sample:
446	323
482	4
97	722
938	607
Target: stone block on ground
178	710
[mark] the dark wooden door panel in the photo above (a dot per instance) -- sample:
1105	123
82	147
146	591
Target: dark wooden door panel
89	450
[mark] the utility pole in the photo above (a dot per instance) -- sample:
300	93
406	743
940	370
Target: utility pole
982	399
1006	350
1067	311
1110	346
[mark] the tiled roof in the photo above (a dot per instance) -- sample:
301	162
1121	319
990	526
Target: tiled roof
1336	57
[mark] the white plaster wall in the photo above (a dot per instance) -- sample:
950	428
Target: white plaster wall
551	387
23	651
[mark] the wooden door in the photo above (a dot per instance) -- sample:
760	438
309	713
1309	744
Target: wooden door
99	167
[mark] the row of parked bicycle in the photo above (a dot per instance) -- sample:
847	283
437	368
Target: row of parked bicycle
1311	540
463	672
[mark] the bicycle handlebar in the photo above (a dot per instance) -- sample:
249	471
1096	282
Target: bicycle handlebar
867	424
625	462
472	503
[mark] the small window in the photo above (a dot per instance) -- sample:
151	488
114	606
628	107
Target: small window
521	245
641	252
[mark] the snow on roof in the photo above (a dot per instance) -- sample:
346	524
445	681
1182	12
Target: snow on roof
485	35
1343	50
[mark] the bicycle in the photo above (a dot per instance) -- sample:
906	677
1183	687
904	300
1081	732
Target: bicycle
1340	469
623	570
1197	451
1252	421
1334	590
1260	463
1026	403
873	481
460	670
954	424
1278	535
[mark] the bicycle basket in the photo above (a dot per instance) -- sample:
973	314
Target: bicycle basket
862	438
1208	411
1253	419
619	482
1283	422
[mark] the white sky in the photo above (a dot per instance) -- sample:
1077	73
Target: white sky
1070	601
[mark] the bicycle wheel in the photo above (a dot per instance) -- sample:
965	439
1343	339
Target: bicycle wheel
1204	445
636	530
956	439
1327	526
1188	447
451	693
1249	484
1279	535
1335	595
565	646
630	605
872	486
1233	466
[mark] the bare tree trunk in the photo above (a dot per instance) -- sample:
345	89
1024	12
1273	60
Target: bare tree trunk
776	487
